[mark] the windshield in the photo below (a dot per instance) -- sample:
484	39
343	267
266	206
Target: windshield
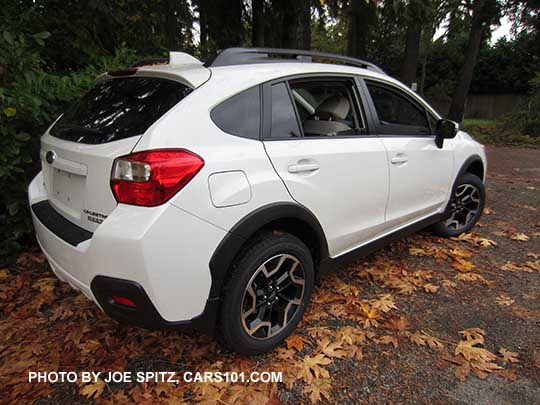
119	108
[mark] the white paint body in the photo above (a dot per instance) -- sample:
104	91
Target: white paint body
357	194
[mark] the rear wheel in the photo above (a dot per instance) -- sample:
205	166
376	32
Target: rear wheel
465	207
266	294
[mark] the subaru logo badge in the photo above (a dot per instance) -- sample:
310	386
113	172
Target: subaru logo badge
50	157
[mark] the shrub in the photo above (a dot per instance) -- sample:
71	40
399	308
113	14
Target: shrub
527	118
31	99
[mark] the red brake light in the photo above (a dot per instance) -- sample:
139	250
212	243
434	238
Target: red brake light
151	178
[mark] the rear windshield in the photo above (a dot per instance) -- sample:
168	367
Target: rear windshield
119	108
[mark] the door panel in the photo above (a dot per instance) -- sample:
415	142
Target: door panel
420	177
420	173
344	182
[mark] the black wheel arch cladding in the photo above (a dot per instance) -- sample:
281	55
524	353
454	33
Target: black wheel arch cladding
250	225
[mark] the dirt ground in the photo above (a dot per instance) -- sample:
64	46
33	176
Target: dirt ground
384	330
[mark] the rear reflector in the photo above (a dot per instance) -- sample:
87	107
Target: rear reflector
151	178
124	301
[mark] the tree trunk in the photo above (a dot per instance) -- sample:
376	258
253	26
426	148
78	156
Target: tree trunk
203	24
459	98
304	25
224	19
412	50
257	22
361	16
428	38
171	25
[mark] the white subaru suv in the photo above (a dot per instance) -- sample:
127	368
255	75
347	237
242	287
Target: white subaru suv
177	193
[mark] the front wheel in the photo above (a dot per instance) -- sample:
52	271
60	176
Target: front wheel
465	207
266	294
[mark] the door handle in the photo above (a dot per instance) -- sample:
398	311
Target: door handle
303	167
399	159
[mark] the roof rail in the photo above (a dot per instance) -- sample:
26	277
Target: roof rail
246	56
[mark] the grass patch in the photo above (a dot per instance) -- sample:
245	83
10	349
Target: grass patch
492	132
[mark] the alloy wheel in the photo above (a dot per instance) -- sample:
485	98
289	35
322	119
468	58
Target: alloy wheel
464	207
272	296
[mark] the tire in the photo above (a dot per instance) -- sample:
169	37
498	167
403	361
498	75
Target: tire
243	309
459	214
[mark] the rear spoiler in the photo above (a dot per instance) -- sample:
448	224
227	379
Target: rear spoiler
179	65
175	58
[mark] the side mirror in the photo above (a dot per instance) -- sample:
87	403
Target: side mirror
446	129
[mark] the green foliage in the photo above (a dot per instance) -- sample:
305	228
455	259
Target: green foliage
330	37
526	119
491	132
30	100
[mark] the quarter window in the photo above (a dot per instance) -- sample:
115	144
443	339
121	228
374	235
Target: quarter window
397	114
284	123
240	115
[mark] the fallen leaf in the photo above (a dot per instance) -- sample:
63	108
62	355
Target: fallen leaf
295	342
508	374
397	323
93	390
430	288
504	299
423	339
519	237
462	371
507	356
475	335
311	368
472	277
4	273
318	389
352	336
462	265
384	303
386	340
332	349
448	284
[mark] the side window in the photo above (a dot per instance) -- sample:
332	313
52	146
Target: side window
397	114
284	123
326	107
240	115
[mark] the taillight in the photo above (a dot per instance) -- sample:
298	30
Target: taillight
150	178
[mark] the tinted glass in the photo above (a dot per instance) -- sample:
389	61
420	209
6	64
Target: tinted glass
240	115
284	123
396	113
119	108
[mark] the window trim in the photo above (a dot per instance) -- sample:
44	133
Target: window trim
400	93
324	76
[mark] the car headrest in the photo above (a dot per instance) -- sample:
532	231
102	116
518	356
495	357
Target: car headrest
334	107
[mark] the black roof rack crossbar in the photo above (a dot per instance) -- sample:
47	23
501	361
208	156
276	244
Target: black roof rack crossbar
246	56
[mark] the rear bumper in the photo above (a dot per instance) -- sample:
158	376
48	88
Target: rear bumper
164	251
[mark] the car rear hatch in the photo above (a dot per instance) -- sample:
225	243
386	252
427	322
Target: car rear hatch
78	151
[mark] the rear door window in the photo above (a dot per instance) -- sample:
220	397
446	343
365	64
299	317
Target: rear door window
119	108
